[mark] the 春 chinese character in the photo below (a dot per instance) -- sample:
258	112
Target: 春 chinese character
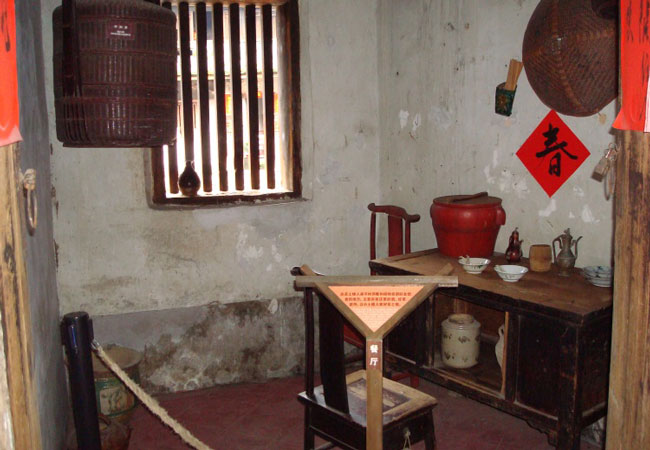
550	146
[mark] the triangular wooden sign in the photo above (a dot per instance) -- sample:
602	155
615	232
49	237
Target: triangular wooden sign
375	304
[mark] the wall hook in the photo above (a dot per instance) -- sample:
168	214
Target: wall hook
29	189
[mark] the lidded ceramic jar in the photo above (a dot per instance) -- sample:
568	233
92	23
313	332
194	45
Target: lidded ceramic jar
461	335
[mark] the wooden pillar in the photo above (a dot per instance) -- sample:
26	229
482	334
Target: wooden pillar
374	394
14	304
628	418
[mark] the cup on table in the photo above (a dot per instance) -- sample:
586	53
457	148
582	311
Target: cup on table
540	258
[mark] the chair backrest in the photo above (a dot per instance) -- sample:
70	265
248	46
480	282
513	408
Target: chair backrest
399	229
331	349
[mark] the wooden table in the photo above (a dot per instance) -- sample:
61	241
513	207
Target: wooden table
556	350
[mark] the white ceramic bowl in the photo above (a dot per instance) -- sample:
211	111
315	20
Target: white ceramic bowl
598	275
604	272
510	273
473	265
600	282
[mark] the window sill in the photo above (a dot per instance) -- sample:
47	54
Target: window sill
224	201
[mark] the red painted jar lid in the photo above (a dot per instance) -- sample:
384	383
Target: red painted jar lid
467	201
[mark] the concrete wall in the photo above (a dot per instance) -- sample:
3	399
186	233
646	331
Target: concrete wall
121	261
440	63
41	271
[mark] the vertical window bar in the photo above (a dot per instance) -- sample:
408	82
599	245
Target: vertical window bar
253	112
171	150
172	158
220	87
186	79
204	95
269	132
235	76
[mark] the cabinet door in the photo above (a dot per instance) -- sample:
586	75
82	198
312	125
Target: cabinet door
412	338
538	365
595	367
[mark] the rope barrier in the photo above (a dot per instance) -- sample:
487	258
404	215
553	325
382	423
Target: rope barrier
151	403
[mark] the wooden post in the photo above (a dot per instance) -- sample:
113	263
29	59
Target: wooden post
15	307
374	394
628	418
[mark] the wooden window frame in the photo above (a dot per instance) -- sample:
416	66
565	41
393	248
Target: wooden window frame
287	11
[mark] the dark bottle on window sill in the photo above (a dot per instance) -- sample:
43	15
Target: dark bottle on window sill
189	182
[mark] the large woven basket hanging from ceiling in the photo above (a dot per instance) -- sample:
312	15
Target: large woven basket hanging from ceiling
114	73
570	57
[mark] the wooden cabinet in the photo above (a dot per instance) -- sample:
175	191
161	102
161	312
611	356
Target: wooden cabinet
556	342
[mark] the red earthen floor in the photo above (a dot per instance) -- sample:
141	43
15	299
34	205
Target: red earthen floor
268	416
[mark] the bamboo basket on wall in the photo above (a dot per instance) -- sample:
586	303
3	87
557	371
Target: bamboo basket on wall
570	57
114	73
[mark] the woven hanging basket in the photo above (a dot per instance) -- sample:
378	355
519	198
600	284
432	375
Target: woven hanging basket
607	9
570	57
114	73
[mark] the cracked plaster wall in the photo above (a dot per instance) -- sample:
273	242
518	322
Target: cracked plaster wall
398	107
441	62
117	257
213	344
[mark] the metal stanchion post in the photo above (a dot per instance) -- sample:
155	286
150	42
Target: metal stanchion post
77	334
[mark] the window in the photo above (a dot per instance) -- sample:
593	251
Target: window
238	105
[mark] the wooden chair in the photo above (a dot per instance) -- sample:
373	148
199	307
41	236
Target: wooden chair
399	229
336	410
399	242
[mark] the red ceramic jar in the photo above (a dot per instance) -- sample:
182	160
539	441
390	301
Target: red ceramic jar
467	224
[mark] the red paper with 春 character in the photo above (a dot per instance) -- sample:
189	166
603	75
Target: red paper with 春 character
9	132
552	153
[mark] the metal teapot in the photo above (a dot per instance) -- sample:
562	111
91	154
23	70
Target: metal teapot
565	260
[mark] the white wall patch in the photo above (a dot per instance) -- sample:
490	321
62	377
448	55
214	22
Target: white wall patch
552	207
509	182
403	118
276	255
273	306
578	191
587	216
490	179
247	252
